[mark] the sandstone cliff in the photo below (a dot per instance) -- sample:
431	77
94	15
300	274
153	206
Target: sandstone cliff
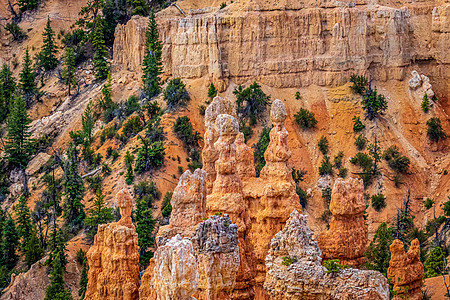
406	270
347	237
114	258
295	270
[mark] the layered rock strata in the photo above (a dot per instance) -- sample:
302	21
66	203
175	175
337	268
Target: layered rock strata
295	270
347	236
114	257
204	266
271	197
294	44
188	205
406	270
227	197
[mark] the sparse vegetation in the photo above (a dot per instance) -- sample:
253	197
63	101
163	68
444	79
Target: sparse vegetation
360	142
260	149
323	145
287	260
251	102
425	103
435	131
374	104
305	119
378	201
359	83
333	266
326	168
176	94
395	160
357	124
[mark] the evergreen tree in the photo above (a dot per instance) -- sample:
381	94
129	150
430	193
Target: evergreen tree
145	224
140	7
49	49
129	176
152	64
8	89
56	289
8	245
33	250
69	69
106	102
436	262
425	103
374	103
100	213
83	280
25	5
27	79
18	143
100	55
74	189
378	254
23	221
212	92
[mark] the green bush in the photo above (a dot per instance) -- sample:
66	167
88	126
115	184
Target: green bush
260	149
425	103
111	152
378	201
154	131
323	145
108	133
359	84
176	94
338	159
297	175
342	172
302	196
185	132
132	126
287	260
251	101
326	167
15	31
305	119
298	96
223	5
360	142
357	124
332	266
363	160
435	131
166	206
435	263
374	104
150	155
396	161
428	203
132	105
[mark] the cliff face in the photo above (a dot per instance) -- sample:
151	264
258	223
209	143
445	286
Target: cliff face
296	44
347	237
204	265
305	278
114	257
406	270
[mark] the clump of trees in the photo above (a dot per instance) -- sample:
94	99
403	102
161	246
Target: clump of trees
305	119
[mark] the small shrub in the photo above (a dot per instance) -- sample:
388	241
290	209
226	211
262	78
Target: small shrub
80	256
398	180
129	159
326	215
212	92
185	132
333	266
176	94
180	169
325	167
342	172
145	189
106	169
396	161
132	105
359	84
425	103
154	131
166	206
374	104
202	110
435	131
132	126
357	124
15	31
251	101
298	96
428	203
363	160
302	196
260	149
360	142
305	119
108	133
194	165
323	145
150	155
297	175
129	177
378	201
111	152
287	260
338	159
223	5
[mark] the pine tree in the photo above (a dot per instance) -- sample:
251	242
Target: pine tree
152	64
374	103
100	55
69	69
18	144
74	189
33	250
27	79
8	245
100	213
23	221
378	254
8	89
435	263
140	8
145	224
58	260
425	103
129	176
106	103
49	49
83	280
25	5
212	92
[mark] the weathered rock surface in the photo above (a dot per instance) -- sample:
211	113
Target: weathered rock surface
210	154
216	247
204	265
421	85
306	278
244	158
227	197
188	205
114	257
347	237
293	44
406	270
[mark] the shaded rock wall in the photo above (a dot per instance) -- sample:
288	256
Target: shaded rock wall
347	237
406	270
306	278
